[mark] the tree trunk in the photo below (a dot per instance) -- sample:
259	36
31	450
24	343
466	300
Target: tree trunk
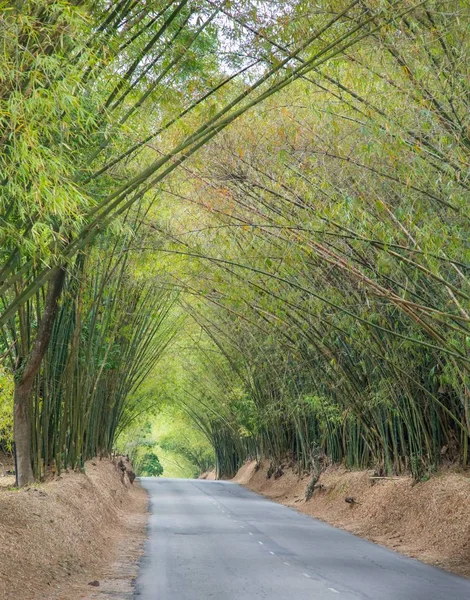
24	384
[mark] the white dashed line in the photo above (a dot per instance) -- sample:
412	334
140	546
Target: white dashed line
272	553
333	590
287	564
306	575
249	533
260	543
241	527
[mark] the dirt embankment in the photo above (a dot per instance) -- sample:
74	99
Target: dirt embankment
209	475
429	520
80	529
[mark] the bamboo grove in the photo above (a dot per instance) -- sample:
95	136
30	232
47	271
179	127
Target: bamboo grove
272	195
328	237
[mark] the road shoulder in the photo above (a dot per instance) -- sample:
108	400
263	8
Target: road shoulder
428	520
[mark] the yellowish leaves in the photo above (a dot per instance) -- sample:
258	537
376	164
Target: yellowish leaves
6	406
406	71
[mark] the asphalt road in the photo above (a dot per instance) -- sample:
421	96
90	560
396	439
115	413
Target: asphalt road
211	539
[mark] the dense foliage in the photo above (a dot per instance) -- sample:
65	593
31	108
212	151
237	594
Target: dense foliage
6	410
250	216
326	260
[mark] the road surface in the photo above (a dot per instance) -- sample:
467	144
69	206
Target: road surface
213	539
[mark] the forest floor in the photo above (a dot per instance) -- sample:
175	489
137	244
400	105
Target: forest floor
78	536
429	520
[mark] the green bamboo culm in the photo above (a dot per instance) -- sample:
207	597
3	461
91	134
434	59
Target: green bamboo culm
290	214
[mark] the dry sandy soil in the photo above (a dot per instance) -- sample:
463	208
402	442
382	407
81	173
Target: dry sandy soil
209	475
58	537
429	520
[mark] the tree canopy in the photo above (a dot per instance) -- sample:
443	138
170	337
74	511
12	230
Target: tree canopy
247	220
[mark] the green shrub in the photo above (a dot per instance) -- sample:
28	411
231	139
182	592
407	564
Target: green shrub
150	466
6	409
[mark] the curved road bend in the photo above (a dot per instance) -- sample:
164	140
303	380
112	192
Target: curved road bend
214	539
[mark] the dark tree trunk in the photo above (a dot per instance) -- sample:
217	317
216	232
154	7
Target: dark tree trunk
24	384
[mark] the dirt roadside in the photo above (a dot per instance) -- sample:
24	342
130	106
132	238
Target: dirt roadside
429	520
59	537
209	475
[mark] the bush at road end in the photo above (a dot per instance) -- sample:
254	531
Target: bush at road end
149	466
